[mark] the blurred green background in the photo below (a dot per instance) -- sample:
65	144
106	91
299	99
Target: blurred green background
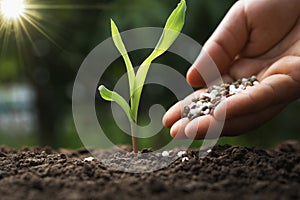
38	68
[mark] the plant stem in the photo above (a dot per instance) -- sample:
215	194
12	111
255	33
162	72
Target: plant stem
133	137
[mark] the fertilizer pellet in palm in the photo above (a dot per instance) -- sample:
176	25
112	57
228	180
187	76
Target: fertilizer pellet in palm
209	99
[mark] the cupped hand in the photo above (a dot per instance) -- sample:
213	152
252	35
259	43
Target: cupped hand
255	38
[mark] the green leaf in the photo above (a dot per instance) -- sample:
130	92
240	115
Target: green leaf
171	31
121	48
109	95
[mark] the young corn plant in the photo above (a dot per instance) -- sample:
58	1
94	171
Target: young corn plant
171	31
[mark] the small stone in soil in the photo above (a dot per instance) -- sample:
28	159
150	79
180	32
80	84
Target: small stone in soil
165	153
89	159
181	153
184	159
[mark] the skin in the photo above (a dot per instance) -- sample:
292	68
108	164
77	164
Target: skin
255	38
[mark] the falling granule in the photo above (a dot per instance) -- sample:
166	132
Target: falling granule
208	100
181	153
165	153
208	150
89	159
184	159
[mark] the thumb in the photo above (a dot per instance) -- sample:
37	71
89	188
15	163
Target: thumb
221	48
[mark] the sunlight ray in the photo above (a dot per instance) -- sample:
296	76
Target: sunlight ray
20	18
24	28
6	36
68	7
39	28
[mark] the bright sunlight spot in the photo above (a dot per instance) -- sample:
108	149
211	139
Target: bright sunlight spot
12	9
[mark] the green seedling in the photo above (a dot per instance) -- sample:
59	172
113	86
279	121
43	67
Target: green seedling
136	81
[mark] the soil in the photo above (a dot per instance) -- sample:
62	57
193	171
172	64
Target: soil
227	172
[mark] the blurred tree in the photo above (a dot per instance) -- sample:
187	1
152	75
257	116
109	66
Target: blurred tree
53	72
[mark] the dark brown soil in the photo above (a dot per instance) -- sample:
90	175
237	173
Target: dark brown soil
228	172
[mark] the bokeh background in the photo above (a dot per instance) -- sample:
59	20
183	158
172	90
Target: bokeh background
38	69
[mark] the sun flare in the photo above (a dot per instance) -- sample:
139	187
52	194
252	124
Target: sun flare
12	9
20	19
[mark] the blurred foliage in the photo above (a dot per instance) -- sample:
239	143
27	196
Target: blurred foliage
49	62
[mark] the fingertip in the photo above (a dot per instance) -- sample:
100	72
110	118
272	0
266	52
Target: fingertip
165	121
177	130
172	115
194	78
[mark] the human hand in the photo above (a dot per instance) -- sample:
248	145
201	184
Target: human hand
255	38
